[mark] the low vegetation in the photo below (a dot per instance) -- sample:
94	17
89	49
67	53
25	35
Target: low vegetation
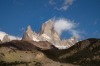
83	53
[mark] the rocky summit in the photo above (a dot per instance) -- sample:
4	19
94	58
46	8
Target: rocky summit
6	39
29	35
47	33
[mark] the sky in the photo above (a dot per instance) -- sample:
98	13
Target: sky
16	15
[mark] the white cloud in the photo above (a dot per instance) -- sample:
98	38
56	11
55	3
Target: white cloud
52	2
2	34
66	4
75	33
62	24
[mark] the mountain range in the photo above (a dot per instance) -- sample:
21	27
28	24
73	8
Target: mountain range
45	48
46	33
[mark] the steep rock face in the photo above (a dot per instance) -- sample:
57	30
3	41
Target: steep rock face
6	39
29	35
63	44
43	45
46	28
47	33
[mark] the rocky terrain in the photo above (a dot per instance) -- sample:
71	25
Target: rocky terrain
45	48
47	33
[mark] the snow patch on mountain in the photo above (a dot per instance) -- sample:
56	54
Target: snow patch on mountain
61	47
46	36
2	34
35	39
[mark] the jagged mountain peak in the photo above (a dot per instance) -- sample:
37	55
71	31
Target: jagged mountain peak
28	29
6	38
46	27
47	33
49	21
29	34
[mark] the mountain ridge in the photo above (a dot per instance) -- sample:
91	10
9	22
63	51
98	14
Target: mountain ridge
47	49
47	33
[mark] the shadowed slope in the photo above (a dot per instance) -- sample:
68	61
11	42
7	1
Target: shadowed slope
28	45
86	52
20	45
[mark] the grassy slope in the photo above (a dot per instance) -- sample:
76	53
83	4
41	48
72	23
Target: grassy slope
9	57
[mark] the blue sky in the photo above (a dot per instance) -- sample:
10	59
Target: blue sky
16	15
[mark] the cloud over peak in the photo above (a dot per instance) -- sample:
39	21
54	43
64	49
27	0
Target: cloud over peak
62	24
